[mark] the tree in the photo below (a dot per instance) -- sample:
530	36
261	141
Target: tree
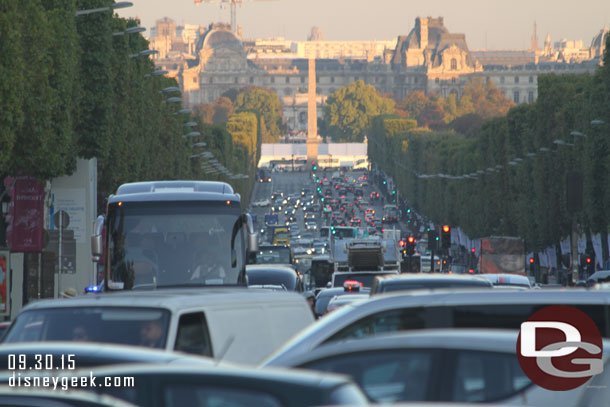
12	71
487	100
223	108
349	111
266	104
206	112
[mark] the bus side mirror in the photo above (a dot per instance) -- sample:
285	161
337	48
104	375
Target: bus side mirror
96	247
252	235
96	240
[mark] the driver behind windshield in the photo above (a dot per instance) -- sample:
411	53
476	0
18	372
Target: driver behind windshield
208	265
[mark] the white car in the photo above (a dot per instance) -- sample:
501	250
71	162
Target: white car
262	203
451	365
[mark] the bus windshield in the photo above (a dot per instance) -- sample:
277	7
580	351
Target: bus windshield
155	244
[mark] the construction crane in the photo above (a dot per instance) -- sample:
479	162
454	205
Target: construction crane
233	4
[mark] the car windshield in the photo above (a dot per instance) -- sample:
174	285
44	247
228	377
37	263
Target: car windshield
128	326
273	255
271	277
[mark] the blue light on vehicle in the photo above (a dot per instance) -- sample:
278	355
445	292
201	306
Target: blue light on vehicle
93	289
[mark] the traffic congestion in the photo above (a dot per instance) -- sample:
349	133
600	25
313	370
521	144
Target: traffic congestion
307	296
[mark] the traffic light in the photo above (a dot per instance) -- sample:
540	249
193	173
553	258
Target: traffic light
314	166
410	250
446	237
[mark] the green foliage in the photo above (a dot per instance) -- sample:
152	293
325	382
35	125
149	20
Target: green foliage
12	82
267	106
526	199
348	111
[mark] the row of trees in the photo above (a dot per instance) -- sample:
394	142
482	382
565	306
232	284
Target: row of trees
70	88
521	161
348	112
234	126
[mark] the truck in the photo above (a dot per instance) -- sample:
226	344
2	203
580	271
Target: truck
365	254
172	233
390	213
502	254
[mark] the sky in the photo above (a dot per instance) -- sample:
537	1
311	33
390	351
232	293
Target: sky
487	24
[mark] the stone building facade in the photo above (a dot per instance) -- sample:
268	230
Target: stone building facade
429	58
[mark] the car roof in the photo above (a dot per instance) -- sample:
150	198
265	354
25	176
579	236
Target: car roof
354	311
484	340
492	340
173	299
101	350
275	268
318	380
58	398
389	279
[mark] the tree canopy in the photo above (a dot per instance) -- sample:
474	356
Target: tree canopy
348	111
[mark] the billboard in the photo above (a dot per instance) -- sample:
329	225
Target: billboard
26	216
501	254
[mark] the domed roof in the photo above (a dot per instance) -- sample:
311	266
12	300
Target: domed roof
221	36
600	39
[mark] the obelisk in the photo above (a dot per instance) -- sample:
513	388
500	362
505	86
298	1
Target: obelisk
312	116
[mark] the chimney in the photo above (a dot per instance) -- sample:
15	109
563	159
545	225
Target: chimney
423	32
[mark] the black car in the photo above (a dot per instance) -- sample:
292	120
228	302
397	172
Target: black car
274	274
184	385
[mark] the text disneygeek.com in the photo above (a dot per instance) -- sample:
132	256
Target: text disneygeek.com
69	382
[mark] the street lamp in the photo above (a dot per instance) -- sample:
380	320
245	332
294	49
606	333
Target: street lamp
144	53
202	144
130	30
158	72
597	122
190	124
184	111
120	4
174	100
170	89
192	134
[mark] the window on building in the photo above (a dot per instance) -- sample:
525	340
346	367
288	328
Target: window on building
287	79
516	96
356	78
415	79
272	79
453	64
236	79
332	79
211	80
453	80
530	96
516	79
194	79
531	79
287	91
501	79
302	79
437	80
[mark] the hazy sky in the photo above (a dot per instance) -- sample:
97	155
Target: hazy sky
494	24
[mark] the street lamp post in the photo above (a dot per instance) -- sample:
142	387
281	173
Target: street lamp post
120	4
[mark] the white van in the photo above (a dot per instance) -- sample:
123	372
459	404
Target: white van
233	324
